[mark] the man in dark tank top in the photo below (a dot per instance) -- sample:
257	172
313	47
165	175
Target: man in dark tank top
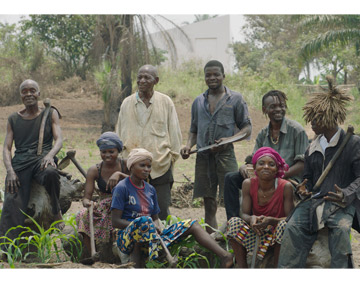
30	160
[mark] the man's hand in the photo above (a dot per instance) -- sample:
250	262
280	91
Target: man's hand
338	196
12	183
47	160
301	189
185	152
243	172
219	147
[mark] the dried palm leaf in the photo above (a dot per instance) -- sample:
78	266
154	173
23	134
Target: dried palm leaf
327	108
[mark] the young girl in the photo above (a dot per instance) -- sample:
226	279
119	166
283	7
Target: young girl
135	209
267	200
106	174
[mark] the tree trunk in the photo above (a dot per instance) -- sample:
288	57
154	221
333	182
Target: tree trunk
39	206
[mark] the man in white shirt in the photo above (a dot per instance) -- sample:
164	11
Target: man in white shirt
148	119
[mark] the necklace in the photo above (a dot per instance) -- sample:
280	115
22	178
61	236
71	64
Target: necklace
263	194
274	141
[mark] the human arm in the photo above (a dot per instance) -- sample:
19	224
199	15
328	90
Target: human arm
185	151
117	221
57	135
91	176
295	169
12	181
174	132
246	131
158	224
114	180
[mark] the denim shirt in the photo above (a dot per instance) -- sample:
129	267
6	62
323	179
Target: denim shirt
231	113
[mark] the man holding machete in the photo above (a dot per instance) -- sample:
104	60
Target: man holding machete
331	185
215	114
33	130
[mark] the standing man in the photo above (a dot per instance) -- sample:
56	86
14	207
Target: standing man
214	116
29	161
335	200
148	119
286	136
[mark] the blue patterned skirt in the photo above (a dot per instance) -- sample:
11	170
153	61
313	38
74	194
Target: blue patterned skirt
142	230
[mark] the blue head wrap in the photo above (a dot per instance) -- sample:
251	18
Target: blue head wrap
109	140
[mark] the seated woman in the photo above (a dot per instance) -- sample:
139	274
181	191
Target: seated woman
106	174
135	209
267	200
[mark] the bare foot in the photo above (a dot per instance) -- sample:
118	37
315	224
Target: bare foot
227	261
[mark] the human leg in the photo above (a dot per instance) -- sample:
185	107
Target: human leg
204	239
225	162
232	190
210	206
339	225
297	239
240	253
136	255
163	185
15	204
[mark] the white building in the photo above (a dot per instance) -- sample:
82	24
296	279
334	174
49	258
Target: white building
206	40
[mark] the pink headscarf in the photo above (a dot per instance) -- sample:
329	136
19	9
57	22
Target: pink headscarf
268	151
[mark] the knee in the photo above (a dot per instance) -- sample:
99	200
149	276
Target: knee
51	173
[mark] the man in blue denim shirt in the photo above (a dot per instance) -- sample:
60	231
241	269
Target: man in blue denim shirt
215	116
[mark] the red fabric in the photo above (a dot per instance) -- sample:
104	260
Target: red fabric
275	207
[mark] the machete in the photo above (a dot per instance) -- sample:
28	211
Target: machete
231	140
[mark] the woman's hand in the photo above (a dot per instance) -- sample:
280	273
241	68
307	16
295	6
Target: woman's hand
260	223
86	202
114	180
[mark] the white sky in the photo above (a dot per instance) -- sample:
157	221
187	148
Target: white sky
178	11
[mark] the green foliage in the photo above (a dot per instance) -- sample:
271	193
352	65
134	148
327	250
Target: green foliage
194	257
48	244
68	38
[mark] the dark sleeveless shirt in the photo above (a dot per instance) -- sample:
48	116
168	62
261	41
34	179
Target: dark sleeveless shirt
26	138
101	182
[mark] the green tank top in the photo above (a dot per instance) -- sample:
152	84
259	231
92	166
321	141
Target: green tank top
26	138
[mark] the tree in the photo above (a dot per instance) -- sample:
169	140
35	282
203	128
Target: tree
334	32
67	38
270	41
123	44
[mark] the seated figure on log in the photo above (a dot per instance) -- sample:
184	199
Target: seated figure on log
286	136
106	174
267	200
134	210
37	136
331	186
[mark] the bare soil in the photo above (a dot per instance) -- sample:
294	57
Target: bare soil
81	126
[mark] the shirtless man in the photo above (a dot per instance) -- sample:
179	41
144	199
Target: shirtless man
23	130
214	115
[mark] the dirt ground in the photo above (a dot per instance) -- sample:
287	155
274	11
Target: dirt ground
81	125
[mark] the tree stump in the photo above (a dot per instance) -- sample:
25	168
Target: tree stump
39	206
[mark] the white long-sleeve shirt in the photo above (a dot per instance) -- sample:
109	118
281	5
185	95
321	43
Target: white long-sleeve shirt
155	128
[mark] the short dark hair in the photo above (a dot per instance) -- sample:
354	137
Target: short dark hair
214	63
275	93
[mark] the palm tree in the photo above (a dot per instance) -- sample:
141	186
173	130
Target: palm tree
124	43
342	29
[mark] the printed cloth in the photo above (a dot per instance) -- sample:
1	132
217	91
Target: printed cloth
142	230
101	218
241	231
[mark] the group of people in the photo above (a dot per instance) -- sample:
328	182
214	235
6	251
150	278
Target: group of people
135	189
